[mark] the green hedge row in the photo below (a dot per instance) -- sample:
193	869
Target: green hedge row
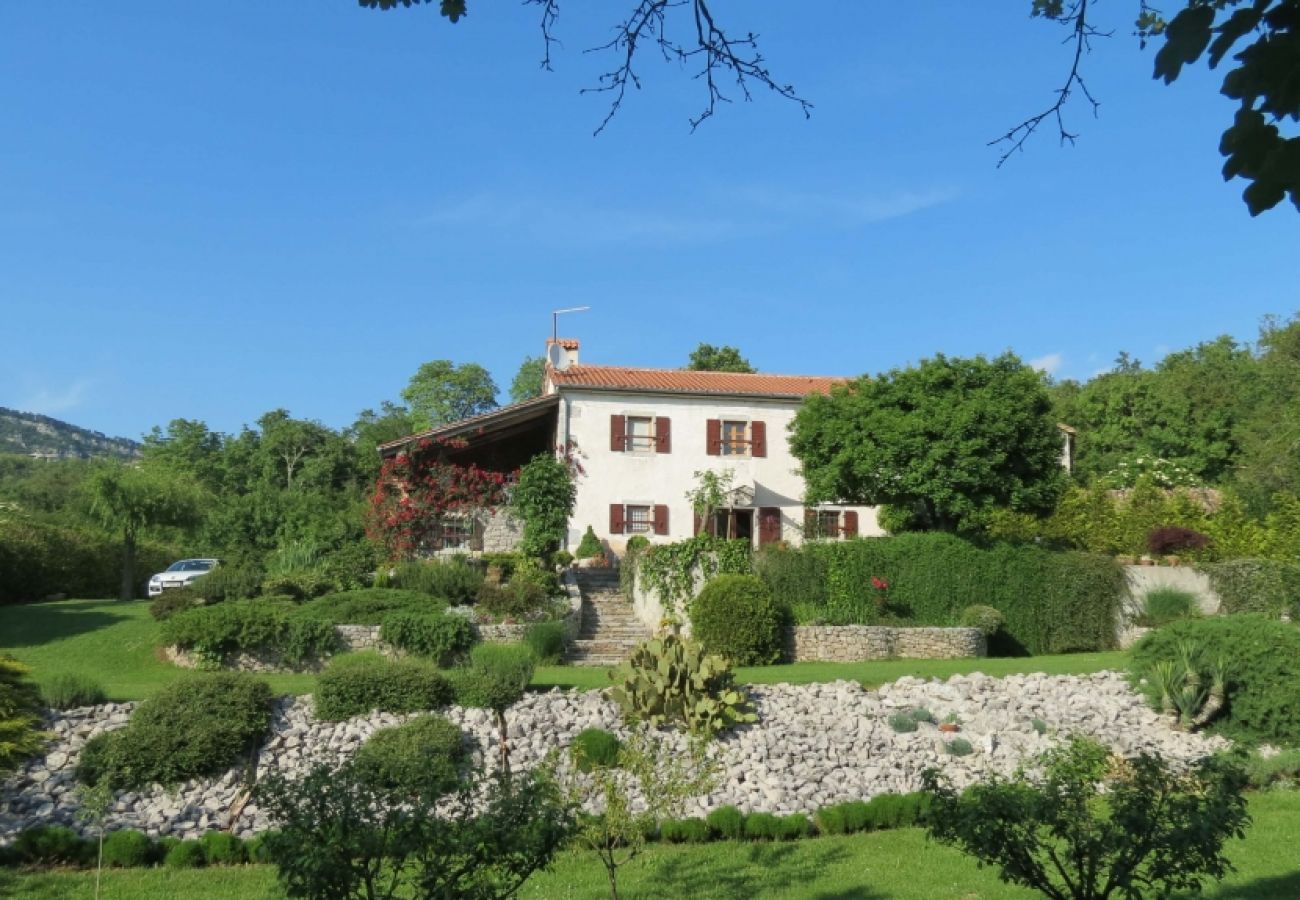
729	824
1052	602
1256	586
39	561
55	845
251	625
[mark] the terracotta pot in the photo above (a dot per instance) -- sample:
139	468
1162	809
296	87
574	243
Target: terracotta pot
950	727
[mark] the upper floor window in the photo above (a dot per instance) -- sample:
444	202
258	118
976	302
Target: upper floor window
640	434
736	437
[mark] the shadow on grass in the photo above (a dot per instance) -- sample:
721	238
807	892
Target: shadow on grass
746	873
34	624
1279	888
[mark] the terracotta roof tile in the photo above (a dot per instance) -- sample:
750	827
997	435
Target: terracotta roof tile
684	381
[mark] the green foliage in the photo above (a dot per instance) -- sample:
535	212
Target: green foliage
633	550
958	747
736	617
438	635
529	380
20	714
1256	586
342	836
1262	659
39	560
902	723
185	855
453	580
199	726
796	579
68	690
950	440
252	626
495	677
127	849
360	683
1052	602
368	606
52	845
424	757
562	558
526	596
672	681
684	831
708	358
1152	831
589	546
1164	605
222	849
546	640
172	601
672	571
1281	770
543	497
298	585
761	826
441	392
595	748
985	618
726	822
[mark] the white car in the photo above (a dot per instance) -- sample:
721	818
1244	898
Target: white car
181	574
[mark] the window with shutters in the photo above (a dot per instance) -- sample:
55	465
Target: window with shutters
638	520
640	434
828	523
735	438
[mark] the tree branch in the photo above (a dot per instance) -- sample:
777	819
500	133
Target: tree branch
1075	17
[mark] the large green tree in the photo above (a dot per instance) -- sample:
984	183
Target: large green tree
947	442
529	380
134	499
1261	37
441	391
708	358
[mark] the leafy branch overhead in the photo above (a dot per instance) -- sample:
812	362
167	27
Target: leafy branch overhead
1265	80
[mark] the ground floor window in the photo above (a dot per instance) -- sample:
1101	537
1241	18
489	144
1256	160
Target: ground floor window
640	520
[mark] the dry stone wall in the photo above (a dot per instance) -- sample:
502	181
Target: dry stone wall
853	643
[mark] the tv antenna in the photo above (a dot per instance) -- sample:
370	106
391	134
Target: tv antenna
555	319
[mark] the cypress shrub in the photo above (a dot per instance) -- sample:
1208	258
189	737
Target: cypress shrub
127	849
1262	658
736	617
360	683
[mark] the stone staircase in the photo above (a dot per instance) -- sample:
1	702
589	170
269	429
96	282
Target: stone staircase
609	628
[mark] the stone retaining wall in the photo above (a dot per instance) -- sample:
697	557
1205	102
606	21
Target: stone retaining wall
852	643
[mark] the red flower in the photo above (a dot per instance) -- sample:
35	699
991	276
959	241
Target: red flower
879	584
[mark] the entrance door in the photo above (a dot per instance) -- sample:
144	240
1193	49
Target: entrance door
737	524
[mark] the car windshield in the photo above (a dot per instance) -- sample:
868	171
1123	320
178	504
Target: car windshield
190	565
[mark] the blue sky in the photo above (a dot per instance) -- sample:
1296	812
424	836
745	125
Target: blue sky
209	210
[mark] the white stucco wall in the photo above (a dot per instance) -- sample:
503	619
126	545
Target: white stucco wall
652	478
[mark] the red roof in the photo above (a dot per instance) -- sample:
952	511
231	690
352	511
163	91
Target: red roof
685	381
566	343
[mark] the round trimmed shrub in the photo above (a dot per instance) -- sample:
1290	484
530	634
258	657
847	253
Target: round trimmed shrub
595	748
736	617
589	546
761	826
794	826
684	831
1262	659
985	618
222	849
423	756
726	822
495	677
127	849
185	855
51	845
69	690
360	683
547	641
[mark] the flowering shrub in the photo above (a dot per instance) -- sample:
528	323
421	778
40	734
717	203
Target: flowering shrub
1161	472
416	489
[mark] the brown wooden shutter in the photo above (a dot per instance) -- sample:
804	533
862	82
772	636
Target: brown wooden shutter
699	523
810	523
616	518
769	525
663	435
851	522
758	439
661	519
713	437
618	433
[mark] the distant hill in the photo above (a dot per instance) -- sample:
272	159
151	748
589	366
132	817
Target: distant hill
35	435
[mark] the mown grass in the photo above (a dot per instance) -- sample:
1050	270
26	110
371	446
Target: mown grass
887	865
115	643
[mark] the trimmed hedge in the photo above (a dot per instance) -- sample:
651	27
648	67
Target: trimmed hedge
1263	670
360	683
39	561
736	617
252	626
1052	602
495	677
455	580
424	756
438	635
1256	586
369	606
199	726
127	849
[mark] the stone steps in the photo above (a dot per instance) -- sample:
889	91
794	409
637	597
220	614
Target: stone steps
609	629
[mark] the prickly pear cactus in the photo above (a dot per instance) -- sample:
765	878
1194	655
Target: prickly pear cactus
671	681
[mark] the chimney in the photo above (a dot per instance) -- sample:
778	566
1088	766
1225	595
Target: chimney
561	353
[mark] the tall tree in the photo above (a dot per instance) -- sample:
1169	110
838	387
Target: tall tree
133	499
529	380
708	358
947	441
441	392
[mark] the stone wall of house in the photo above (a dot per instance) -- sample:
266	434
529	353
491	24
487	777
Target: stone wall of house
502	532
853	643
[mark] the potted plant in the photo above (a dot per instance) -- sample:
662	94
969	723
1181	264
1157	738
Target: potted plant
951	723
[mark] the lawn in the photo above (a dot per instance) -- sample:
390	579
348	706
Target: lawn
114	642
888	865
